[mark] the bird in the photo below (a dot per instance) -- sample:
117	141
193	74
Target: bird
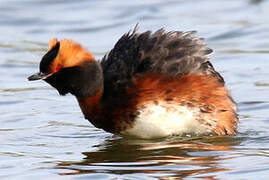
153	84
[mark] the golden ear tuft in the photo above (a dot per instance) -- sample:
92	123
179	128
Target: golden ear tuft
52	43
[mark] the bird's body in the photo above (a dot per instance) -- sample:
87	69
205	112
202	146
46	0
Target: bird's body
150	85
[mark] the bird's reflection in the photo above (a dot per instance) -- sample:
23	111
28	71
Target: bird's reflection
167	158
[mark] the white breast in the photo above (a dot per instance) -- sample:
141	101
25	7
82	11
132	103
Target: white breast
164	119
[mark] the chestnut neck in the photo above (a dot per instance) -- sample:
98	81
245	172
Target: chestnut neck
90	93
90	105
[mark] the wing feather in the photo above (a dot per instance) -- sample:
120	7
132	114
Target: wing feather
173	53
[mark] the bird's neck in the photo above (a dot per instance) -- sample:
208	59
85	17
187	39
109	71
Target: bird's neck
92	85
91	105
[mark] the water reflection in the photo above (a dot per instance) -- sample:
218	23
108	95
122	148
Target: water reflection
256	1
174	157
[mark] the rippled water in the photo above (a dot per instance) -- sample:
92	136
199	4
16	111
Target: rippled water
44	136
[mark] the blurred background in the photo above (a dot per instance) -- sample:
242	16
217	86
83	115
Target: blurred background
44	136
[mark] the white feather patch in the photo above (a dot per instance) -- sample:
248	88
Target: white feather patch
166	119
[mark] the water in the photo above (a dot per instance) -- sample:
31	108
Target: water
44	136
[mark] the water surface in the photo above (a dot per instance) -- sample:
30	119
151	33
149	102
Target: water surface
44	136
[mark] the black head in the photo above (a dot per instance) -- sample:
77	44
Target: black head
46	63
70	69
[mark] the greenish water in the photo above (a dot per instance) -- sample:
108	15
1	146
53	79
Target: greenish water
44	136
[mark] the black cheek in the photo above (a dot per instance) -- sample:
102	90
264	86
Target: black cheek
58	82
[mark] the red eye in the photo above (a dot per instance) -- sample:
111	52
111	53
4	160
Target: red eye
58	68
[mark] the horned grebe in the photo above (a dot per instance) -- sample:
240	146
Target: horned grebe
150	85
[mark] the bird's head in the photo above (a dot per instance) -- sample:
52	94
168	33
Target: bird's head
69	68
